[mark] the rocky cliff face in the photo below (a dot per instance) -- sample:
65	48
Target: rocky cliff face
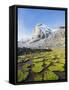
43	38
41	31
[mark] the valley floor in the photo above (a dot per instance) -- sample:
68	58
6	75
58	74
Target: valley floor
42	66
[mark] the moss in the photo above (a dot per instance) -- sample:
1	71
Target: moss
49	75
38	77
22	75
25	67
62	61
37	67
36	60
55	60
57	67
47	62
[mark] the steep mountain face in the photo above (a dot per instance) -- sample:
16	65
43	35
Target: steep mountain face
40	31
57	39
44	38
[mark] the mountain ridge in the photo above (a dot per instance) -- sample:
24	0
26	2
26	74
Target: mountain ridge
43	38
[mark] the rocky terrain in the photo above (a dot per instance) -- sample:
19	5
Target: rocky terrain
45	38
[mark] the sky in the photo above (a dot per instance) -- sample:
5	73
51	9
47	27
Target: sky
29	18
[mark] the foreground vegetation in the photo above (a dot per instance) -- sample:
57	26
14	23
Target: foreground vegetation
47	65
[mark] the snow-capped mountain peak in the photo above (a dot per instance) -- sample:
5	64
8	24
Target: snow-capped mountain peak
43	37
